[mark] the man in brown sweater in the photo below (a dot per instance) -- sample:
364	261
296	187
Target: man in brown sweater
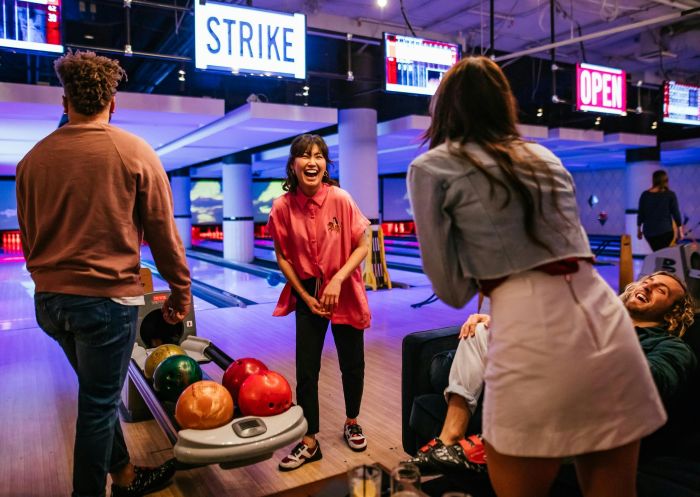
87	195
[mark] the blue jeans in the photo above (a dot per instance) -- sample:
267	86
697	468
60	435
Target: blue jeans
97	335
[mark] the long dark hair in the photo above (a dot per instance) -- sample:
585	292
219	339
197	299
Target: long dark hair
659	179
474	103
301	145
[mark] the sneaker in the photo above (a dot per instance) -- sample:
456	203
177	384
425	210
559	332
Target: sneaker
147	480
424	462
300	455
467	455
354	437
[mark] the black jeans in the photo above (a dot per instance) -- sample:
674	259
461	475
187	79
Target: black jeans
97	335
349	341
660	241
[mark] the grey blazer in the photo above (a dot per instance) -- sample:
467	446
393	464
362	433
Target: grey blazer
466	235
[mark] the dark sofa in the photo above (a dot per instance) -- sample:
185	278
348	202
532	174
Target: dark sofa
670	465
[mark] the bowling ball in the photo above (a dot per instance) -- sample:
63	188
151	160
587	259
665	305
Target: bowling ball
264	394
204	405
173	375
238	371
273	279
158	355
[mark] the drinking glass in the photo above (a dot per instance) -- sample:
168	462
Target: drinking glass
365	481
405	480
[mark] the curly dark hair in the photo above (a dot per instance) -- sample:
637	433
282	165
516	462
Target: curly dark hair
89	80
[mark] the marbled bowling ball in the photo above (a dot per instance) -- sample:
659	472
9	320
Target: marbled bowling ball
204	405
158	355
238	371
175	374
264	394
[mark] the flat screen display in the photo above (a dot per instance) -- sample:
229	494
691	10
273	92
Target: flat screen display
264	193
8	205
33	25
417	65
395	203
207	202
681	103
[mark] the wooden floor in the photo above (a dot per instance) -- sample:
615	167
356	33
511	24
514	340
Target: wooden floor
38	395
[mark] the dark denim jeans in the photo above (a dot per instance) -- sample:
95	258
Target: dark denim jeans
97	335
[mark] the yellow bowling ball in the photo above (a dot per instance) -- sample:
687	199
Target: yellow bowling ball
158	355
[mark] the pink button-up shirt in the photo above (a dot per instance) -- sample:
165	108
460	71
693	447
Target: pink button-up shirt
317	235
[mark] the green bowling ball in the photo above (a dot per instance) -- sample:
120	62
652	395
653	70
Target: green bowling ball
175	374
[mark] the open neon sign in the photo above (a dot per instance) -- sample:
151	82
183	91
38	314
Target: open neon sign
601	89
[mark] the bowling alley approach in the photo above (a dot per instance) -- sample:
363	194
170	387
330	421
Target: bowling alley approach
343	248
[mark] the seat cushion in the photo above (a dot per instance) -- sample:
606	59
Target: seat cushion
440	370
427	415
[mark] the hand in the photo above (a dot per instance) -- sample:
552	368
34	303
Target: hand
639	234
681	235
330	296
469	327
316	307
172	315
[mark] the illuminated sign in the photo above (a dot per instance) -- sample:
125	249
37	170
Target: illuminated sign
601	89
31	25
237	39
416	65
681	103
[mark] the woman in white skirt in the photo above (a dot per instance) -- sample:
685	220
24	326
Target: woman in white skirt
565	375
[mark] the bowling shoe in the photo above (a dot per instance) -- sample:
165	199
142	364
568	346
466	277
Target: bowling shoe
356	440
466	456
147	480
300	455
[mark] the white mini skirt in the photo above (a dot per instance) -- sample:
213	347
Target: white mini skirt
565	373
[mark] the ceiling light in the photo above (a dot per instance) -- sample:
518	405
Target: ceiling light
305	87
181	75
89	37
381	3
654	125
540	112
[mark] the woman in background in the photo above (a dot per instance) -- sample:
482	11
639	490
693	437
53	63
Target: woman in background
658	208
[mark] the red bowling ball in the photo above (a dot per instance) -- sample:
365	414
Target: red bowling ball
238	371
265	394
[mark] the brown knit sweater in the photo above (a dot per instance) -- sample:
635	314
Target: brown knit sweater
86	196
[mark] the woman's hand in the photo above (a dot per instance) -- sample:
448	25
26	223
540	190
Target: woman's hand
331	294
315	306
469	327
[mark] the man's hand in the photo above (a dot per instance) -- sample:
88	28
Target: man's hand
172	315
331	294
469	327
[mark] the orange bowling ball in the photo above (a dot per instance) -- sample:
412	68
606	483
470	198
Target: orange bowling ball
204	405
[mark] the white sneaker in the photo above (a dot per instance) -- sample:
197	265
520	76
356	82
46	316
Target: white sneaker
354	437
300	455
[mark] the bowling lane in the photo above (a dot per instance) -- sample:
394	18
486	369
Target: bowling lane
235	282
16	295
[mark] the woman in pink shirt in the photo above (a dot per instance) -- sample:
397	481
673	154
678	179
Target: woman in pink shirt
320	242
